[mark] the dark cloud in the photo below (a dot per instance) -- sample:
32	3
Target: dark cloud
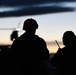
32	7
35	11
29	2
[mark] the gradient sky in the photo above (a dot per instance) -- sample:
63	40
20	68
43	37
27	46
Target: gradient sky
51	25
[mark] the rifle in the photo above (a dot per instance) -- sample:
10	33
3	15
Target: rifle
57	44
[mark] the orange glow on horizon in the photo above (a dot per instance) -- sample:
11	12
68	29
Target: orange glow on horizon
53	48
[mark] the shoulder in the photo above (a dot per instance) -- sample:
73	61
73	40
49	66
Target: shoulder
60	51
40	39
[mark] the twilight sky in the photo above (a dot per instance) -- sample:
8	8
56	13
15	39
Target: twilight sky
53	16
51	26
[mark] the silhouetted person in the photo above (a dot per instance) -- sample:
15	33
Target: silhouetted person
3	59
14	35
65	58
28	51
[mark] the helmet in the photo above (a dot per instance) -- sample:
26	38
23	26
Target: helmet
30	24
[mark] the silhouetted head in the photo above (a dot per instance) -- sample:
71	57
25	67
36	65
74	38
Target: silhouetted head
30	24
14	35
69	38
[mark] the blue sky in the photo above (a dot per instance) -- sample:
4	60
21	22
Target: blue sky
51	26
53	16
